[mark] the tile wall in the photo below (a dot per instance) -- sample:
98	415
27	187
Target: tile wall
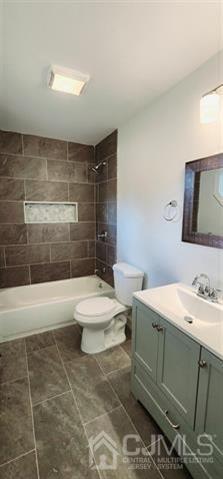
40	169
106	206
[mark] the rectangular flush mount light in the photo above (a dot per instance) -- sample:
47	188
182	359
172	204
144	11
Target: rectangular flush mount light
67	80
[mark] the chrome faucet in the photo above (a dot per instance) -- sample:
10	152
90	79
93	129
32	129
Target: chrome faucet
204	289
203	286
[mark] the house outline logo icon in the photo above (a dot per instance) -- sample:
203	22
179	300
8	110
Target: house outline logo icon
104	463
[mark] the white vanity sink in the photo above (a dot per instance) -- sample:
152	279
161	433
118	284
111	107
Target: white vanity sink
182	301
199	308
179	304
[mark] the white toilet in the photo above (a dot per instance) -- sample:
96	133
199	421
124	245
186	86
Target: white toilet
101	318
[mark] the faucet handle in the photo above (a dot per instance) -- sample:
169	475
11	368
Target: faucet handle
194	282
202	289
103	235
220	293
214	295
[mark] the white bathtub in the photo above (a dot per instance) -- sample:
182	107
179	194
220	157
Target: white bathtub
30	309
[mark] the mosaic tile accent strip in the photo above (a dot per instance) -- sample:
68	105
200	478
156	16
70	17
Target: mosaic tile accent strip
38	212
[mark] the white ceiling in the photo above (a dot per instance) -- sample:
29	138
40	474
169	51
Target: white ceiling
133	51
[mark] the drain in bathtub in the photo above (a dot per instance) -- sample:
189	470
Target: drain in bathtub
189	319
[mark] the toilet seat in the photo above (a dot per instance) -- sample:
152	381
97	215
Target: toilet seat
95	306
96	310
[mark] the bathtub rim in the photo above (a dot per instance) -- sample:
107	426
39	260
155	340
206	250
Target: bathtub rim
108	290
53	314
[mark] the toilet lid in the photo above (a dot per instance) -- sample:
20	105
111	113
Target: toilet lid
95	306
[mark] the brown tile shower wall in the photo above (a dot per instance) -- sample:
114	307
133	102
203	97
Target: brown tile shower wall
106	206
41	169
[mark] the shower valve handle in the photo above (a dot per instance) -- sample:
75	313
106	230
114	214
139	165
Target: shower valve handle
103	235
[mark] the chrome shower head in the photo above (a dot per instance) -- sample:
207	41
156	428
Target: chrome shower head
96	169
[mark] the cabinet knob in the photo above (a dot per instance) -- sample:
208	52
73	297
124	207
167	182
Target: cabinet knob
202	363
155	325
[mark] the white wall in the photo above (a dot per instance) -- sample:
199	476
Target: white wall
152	150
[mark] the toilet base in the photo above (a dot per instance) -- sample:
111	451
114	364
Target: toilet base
95	340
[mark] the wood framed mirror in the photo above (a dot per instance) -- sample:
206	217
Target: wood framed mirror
203	202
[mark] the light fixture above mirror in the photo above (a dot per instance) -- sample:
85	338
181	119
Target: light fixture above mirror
210	105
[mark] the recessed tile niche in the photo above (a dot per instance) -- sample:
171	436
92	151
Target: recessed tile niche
49	212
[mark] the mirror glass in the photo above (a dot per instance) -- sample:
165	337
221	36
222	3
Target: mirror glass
208	202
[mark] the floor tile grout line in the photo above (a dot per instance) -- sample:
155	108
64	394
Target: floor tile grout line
103	372
133	426
13	380
102	415
121	345
52	397
19	377
114	370
121	400
117	370
40	350
146	447
22	142
152	443
32	416
75	402
92	453
17	458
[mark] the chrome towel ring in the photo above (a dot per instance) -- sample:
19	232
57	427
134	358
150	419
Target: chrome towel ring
171	210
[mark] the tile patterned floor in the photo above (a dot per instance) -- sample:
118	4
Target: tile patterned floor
54	398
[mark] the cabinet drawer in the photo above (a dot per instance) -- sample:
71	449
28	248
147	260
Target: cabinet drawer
167	413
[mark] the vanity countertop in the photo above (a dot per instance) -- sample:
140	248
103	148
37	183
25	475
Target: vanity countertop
176	302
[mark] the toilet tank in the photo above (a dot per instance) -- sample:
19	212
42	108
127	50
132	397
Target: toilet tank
128	279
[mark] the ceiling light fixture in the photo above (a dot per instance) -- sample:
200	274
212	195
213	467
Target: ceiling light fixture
210	105
67	80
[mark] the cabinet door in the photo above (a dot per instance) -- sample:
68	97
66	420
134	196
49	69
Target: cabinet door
145	337
209	419
178	370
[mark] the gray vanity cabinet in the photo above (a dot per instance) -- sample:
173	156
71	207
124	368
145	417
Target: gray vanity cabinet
177	369
169	357
209	417
181	384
